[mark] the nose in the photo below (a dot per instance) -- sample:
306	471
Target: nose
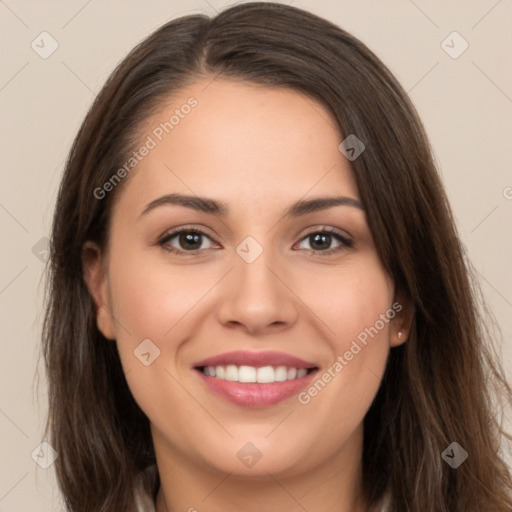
258	297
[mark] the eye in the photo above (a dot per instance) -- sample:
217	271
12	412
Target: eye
319	241
189	240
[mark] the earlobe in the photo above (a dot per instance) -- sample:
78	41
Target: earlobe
105	322
402	322
95	277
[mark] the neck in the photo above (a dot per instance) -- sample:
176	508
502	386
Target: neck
335	485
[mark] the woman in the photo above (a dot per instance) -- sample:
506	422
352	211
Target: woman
318	345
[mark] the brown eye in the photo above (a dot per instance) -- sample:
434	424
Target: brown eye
321	241
188	240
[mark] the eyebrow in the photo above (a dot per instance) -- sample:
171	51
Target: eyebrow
218	208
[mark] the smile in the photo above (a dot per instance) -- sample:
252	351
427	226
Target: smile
255	379
264	374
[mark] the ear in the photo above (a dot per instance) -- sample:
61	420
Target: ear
401	323
96	279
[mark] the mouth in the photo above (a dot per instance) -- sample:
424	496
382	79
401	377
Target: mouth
262	375
255	380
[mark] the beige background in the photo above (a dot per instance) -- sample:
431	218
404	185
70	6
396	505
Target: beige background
465	103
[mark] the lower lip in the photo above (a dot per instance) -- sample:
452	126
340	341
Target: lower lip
255	394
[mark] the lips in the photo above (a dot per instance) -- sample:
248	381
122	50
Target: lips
256	359
255	379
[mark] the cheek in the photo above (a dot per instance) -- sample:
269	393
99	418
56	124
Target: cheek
351	300
158	302
356	306
154	302
151	300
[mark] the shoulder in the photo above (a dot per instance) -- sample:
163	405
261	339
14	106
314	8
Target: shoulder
143	499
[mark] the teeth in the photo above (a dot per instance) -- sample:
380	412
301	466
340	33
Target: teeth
231	373
281	373
247	374
265	374
220	372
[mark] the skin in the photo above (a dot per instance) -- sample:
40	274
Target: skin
259	150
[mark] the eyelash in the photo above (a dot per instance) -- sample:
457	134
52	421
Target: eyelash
345	242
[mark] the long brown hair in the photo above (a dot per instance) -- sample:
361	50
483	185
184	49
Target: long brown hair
443	385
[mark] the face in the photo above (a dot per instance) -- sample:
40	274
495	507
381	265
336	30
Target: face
251	289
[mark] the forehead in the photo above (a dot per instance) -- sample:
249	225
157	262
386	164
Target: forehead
253	147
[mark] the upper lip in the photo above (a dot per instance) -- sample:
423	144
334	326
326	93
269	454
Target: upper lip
255	359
